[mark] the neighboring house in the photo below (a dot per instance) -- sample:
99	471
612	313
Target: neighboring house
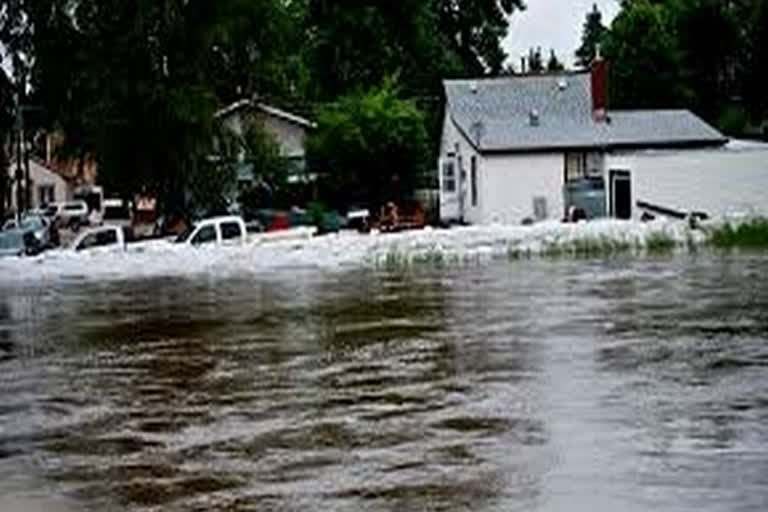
288	130
529	147
46	186
78	171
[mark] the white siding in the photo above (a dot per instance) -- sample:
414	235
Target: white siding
450	202
39	176
717	182
290	136
510	183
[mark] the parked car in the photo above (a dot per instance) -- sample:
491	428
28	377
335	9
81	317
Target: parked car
38	225
18	243
117	212
101	239
74	212
51	211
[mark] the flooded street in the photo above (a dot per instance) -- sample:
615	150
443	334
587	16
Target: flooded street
629	384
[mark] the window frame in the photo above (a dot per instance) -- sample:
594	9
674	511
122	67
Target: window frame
46	194
449	178
571	175
473	179
224	235
193	241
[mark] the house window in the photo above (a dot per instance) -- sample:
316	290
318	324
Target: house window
473	178
575	166
46	194
449	177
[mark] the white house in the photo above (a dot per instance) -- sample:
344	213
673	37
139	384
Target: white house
287	129
529	147
46	186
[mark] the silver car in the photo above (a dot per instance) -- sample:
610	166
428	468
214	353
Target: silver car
18	243
38	225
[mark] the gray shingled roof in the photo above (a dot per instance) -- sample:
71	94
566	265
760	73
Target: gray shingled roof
503	107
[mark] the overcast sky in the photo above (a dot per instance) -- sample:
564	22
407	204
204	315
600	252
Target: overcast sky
553	24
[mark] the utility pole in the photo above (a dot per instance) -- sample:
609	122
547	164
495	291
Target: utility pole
20	204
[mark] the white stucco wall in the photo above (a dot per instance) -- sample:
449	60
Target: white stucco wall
39	176
452	139
510	183
715	181
290	136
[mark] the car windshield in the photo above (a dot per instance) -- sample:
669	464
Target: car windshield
11	240
73	207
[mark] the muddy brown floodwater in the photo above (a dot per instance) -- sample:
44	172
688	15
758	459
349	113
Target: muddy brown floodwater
550	385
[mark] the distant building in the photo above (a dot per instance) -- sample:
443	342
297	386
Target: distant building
77	171
46	186
288	130
529	148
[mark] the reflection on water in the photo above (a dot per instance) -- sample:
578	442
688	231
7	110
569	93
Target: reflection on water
546	385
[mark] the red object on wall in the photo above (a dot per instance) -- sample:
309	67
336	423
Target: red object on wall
599	88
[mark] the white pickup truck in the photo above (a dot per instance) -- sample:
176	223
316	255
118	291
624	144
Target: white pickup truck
100	240
218	231
228	231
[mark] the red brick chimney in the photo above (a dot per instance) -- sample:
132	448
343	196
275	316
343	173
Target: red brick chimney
599	70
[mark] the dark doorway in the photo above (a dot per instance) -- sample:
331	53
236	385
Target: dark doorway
621	195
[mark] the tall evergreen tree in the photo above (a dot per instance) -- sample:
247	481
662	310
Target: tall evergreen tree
554	64
592	36
535	60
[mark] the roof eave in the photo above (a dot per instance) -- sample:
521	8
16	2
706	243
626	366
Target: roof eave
674	144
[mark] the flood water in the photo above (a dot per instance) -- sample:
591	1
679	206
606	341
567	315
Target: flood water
549	385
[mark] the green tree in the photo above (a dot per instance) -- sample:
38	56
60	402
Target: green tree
645	59
554	65
473	31
369	147
707	62
756	61
535	60
353	46
136	83
592	36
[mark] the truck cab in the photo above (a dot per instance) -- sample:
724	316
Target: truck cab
105	239
218	231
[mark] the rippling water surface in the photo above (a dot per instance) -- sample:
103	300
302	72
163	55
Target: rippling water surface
538	386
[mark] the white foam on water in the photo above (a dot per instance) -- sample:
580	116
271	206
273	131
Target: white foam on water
345	250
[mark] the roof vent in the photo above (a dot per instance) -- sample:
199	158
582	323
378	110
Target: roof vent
473	87
562	84
533	117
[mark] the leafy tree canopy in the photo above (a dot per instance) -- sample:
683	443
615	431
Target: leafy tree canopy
372	147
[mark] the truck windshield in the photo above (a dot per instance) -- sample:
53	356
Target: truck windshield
183	237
